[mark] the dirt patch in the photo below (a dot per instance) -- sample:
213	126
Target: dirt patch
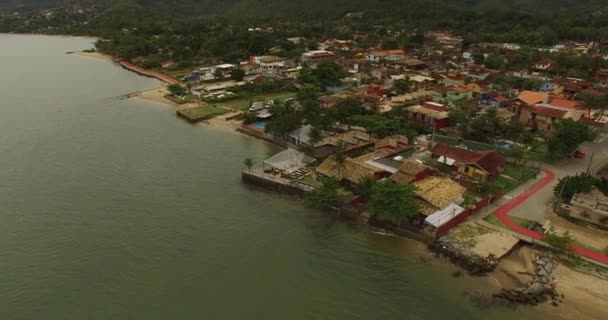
587	236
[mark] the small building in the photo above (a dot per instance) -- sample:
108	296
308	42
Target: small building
395	55
436	193
299	136
443	216
317	56
494	99
350	142
411	64
376	56
590	207
268	62
430	113
351	171
459	93
411	171
479	166
288	161
391	146
544	116
420	83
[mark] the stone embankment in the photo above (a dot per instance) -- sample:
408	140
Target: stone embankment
450	250
540	289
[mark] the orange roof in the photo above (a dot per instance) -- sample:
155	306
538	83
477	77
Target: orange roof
532	97
463	89
396	52
563	103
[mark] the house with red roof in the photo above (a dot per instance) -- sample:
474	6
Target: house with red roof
429	113
494	99
478	166
544	115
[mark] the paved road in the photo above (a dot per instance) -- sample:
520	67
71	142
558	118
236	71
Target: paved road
513	204
534	208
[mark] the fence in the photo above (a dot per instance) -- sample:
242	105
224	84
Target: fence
443	229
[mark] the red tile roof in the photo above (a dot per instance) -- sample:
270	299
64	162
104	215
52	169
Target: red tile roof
563	103
490	160
548	112
532	97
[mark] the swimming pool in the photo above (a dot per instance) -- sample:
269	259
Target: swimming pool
259	124
504	144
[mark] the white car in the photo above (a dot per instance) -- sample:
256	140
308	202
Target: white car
257	106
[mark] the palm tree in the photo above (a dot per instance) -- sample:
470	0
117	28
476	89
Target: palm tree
340	158
365	187
249	162
314	135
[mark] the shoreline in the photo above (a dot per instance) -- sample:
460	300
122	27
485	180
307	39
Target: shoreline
157	95
573	284
94	55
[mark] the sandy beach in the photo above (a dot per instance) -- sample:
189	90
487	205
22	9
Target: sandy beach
94	55
584	294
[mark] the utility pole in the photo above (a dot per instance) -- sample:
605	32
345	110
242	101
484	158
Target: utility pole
559	197
590	161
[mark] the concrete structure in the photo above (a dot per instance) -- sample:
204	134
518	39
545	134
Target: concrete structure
590	207
317	55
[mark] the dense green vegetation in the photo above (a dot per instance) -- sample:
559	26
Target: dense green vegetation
568	135
394	202
568	186
192	31
326	196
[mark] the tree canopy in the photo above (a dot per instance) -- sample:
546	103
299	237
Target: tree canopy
394	202
325	196
568	135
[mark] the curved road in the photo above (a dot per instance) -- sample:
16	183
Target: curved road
502	211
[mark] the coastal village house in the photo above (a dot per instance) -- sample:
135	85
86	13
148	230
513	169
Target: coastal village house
436	193
317	56
479	166
431	114
350	142
590	207
350	172
459	93
411	171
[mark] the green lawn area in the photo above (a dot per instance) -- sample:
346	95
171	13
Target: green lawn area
187	98
506	184
516	172
409	153
309	180
245	99
205	112
522	222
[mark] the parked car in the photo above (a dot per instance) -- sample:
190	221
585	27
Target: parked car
257	106
579	154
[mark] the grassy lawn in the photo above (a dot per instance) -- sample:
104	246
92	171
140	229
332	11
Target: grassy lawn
187	98
467	233
243	102
517	173
506	184
308	179
205	112
520	221
409	153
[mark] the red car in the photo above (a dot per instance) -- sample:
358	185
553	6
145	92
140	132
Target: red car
579	154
